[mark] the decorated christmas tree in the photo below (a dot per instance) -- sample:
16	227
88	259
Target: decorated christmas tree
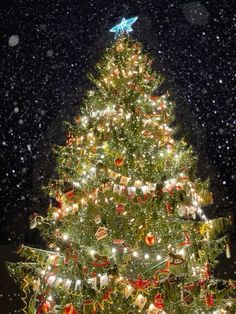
125	229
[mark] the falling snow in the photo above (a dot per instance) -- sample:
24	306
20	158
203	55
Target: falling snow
13	40
46	53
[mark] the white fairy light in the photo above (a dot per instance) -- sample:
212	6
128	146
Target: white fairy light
158	257
181	252
135	254
146	256
50	298
92	252
65	237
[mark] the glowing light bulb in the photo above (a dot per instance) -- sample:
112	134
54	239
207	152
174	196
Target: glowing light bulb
135	254
146	256
92	252
50	298
158	257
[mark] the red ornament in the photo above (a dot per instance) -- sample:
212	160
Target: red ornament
150	239
209	300
154	98
70	194
147	133
159	302
120	209
46	307
69	309
119	161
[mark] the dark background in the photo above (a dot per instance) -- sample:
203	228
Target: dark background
43	77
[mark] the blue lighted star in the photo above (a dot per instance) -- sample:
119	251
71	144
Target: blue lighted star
124	26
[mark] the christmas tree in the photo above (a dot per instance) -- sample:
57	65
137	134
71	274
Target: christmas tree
125	228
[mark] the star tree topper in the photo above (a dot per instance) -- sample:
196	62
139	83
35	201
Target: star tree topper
124	26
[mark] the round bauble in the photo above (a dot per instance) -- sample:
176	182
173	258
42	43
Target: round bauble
46	307
119	161
120	208
150	239
70	309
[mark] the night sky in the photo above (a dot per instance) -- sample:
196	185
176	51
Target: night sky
47	49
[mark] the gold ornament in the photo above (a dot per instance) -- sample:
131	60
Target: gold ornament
119	46
140	301
124	180
101	233
128	291
77	118
116	72
93	149
206	198
153	309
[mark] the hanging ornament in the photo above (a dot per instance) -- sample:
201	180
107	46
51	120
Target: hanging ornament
152	309
128	291
124	180
147	133
159	302
137	46
206	198
150	239
176	259
93	149
119	161
97	219
70	309
209	300
186	297
120	208
46	307
140	301
101	233
172	279
116	72
33	219
36	284
78	118
100	261
232	284
154	98
187	211
119	46
141	162
227	250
